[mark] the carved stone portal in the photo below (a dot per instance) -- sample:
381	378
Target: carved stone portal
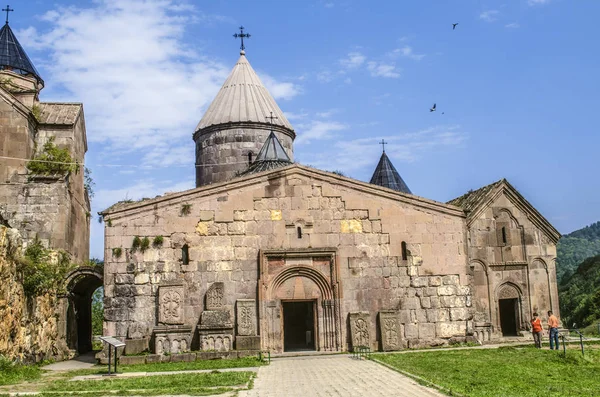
246	317
360	324
170	304
389	327
214	297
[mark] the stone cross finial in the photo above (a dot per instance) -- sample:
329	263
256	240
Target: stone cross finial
383	143
241	35
7	9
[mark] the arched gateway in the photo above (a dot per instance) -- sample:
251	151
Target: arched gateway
81	284
299	301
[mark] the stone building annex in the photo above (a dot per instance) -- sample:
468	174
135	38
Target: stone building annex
267	253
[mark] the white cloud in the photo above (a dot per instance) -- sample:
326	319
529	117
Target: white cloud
325	76
317	130
353	61
537	2
327	114
295	116
280	90
380	69
489	15
352	155
512	25
126	61
407	52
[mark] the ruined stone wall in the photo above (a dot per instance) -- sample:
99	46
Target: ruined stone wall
519	260
30	329
228	225
222	154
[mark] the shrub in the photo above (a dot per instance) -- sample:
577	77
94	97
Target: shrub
157	242
43	270
136	244
52	161
186	209
145	244
117	252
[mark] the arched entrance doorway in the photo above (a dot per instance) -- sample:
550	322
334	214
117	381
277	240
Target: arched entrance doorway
81	285
299	307
509	309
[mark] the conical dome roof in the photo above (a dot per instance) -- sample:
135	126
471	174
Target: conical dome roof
271	155
13	56
386	175
242	99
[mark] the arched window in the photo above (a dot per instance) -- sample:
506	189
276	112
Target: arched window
404	251
299	230
185	254
249	158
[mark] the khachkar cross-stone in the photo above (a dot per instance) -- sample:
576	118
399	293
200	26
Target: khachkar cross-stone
383	143
241	35
7	9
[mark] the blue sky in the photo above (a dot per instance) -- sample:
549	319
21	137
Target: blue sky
516	81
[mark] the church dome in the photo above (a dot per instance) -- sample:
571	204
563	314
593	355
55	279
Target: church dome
13	56
386	175
243	99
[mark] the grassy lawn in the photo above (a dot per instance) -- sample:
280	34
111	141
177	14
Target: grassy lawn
194	365
14	373
190	384
506	372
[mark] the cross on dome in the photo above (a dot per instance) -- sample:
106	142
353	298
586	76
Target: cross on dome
7	9
241	36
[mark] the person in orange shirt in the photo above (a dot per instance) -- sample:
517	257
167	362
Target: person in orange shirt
553	330
536	329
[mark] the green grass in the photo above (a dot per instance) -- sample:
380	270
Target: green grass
506	372
190	384
14	373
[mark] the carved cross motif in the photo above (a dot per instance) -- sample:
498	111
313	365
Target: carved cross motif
171	305
390	330
361	330
214	297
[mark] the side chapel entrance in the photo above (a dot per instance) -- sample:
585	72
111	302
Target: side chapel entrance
509	310
299	302
298	325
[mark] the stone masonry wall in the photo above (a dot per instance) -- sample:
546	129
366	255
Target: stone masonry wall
229	224
522	260
220	155
30	329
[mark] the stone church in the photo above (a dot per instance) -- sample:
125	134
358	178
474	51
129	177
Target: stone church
269	254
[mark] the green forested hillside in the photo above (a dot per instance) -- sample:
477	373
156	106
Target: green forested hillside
580	294
574	248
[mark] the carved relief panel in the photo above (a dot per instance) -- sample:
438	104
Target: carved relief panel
246	317
214	296
360	325
170	304
389	324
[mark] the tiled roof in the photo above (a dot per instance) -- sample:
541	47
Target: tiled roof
243	98
59	113
469	200
386	175
271	156
13	56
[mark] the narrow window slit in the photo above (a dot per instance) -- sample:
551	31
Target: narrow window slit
404	251
503	235
299	230
249	158
185	255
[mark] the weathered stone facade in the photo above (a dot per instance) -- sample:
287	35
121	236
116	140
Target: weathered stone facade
348	258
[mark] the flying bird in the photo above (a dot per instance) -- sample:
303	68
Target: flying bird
432	108
454	25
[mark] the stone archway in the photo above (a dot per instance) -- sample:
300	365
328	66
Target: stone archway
302	282
81	285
